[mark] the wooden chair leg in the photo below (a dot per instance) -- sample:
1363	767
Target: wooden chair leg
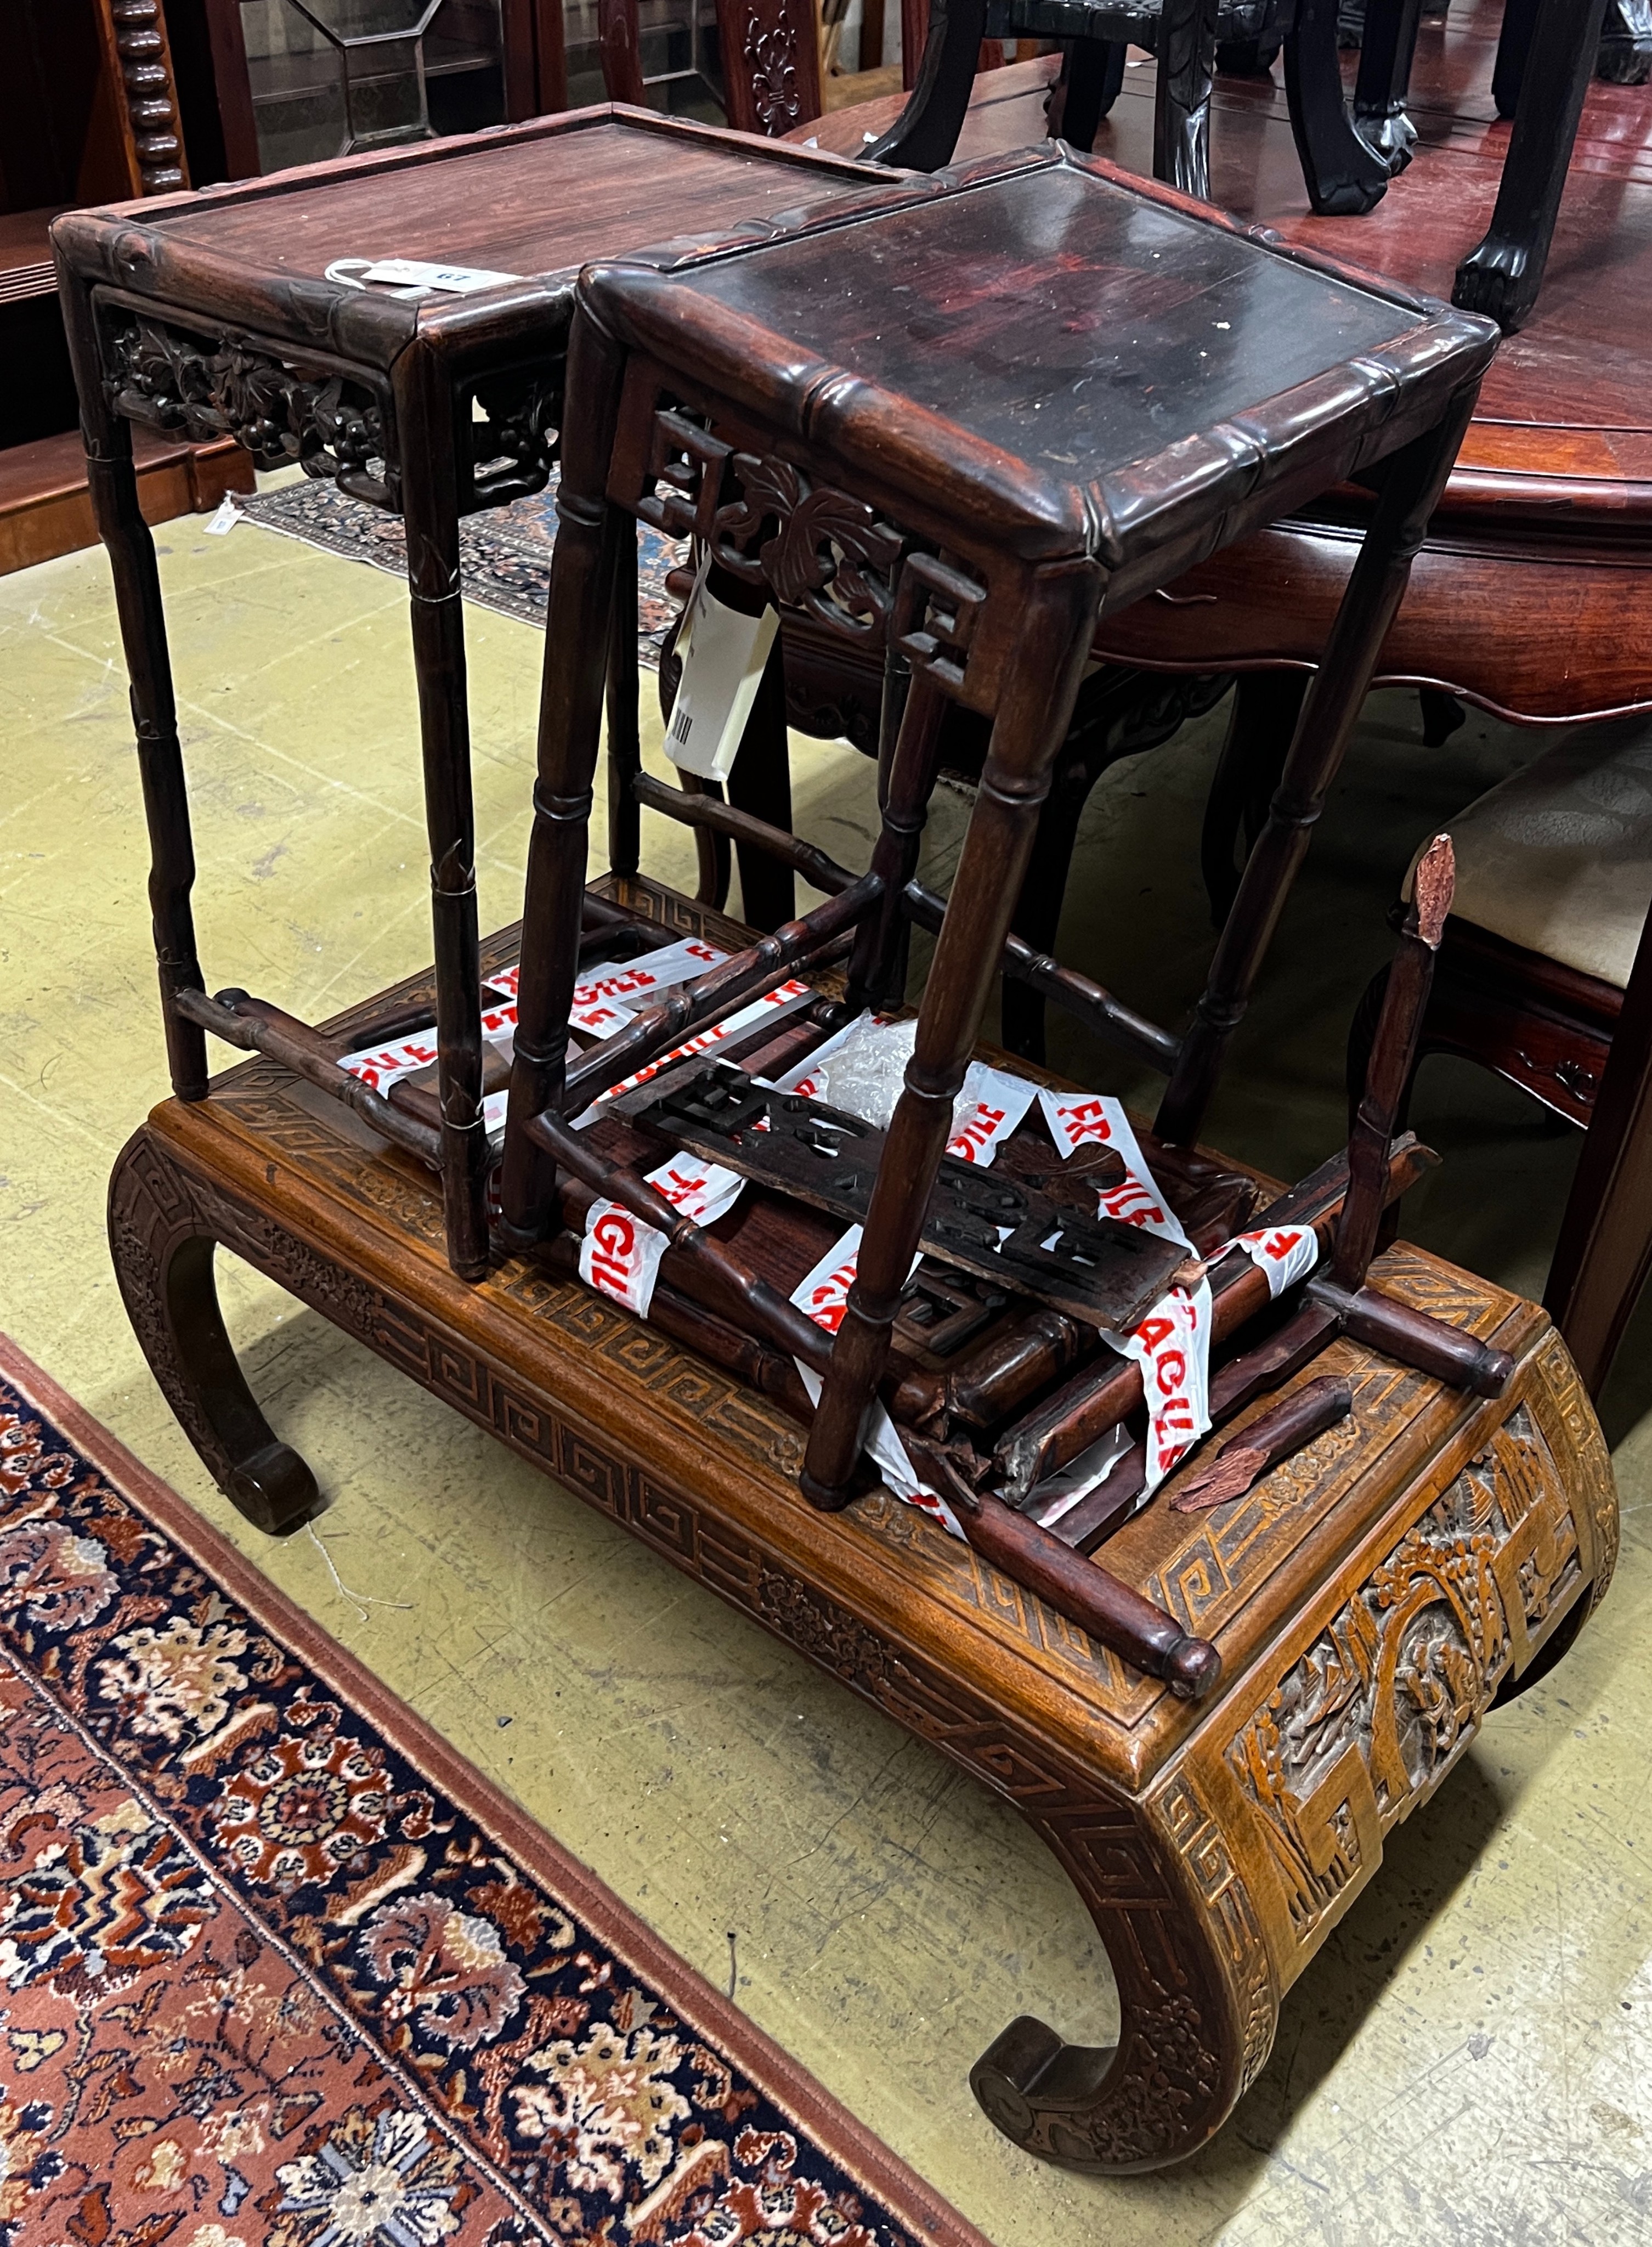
1502	275
1186	50
1411	487
1092	79
624	743
1387	48
1604	1254
589	537
424	411
1343	177
113	484
923	137
1514	46
1038	909
1443	715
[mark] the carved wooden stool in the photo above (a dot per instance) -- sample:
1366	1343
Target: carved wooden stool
967	417
1370	1599
242	311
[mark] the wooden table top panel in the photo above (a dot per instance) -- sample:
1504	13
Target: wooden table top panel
1075	326
531	208
535	201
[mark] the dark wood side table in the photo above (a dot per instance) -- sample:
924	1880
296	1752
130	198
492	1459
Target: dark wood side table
963	420
214	314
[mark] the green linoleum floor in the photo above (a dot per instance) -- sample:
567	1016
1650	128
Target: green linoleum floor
1468	2060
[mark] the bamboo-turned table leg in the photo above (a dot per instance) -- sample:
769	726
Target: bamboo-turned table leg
113	484
624	741
578	631
1415	478
430	513
1034	711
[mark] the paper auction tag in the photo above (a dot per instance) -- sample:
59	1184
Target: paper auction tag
620	1255
1080	1119
1286	1254
452	280
987	1109
723	653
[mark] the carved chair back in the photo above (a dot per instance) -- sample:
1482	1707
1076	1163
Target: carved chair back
770	57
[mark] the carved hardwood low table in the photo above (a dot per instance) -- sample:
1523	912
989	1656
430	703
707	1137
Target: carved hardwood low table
242	311
1370	1599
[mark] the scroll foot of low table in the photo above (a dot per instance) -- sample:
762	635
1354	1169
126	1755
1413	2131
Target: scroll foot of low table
1156	2096
162	1241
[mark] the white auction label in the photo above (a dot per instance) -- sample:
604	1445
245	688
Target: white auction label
990	1106
723	653
452	280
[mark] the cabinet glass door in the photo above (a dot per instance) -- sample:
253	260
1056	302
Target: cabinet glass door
329	77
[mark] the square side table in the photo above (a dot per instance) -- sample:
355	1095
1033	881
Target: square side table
240	311
964	420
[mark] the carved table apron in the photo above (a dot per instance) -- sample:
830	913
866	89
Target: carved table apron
1370	1599
228	313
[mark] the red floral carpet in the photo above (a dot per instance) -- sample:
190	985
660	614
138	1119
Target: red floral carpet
277	1969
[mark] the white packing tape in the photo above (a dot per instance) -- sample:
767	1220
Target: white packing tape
1172	1347
619	1254
379	1066
1173	1343
990	1107
1286	1252
823	1295
730	1026
1084	1119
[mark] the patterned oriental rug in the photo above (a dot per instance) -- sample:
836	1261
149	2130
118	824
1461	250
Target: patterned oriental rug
280	1970
504	553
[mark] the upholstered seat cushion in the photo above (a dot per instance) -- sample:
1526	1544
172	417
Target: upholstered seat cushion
1558	858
